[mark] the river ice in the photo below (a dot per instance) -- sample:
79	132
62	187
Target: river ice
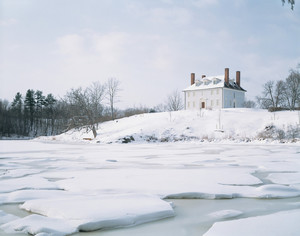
106	186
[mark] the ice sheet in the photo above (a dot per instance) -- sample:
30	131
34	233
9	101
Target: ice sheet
39	225
29	182
278	224
98	212
72	175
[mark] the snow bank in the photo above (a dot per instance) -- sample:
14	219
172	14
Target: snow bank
278	224
240	124
98	212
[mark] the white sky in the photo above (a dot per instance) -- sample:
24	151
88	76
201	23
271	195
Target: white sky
150	46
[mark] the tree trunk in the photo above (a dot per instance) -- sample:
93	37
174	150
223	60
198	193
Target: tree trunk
94	131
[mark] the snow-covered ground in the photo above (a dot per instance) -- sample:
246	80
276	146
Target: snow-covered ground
238	125
69	187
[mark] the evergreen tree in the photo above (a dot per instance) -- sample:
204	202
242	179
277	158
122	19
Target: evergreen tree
39	103
29	106
17	104
50	103
17	114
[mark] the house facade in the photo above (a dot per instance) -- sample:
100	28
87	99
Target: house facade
214	92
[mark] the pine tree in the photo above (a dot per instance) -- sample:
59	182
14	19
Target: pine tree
17	113
39	103
50	102
17	104
29	106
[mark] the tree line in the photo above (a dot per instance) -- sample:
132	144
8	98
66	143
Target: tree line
36	114
282	94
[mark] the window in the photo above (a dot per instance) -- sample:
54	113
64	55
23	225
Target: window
193	94
217	102
188	104
193	104
211	92
188	94
212	103
217	91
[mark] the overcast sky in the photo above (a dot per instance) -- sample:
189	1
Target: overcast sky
151	46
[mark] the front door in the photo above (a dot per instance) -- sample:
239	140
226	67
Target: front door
203	105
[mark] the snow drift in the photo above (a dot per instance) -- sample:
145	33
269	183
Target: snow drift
239	124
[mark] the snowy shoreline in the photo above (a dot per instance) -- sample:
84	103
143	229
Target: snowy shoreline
208	126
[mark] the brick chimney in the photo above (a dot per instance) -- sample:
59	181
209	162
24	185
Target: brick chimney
192	78
227	75
203	76
238	78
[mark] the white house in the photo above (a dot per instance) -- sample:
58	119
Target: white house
214	92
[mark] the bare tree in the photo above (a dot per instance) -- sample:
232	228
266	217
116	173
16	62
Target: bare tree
273	95
113	88
96	93
174	101
292	89
249	104
86	105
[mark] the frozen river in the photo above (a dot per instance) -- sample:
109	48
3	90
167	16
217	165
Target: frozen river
149	189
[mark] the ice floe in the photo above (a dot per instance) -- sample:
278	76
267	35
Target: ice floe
98	212
28	182
277	224
39	225
284	178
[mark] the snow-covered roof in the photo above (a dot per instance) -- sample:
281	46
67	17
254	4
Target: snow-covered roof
213	82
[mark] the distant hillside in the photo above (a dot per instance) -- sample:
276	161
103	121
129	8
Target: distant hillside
238	125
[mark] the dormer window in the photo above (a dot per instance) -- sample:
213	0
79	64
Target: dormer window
198	82
206	81
216	80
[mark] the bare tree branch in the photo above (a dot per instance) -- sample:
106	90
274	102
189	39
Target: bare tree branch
113	88
174	101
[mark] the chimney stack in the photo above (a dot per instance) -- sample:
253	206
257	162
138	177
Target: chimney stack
227	76
192	78
238	78
203	76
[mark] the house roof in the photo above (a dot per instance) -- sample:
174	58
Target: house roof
213	82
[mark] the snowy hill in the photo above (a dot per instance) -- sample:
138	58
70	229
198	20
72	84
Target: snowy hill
239	125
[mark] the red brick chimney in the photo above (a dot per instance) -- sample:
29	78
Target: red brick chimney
203	76
238	78
227	75
192	78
